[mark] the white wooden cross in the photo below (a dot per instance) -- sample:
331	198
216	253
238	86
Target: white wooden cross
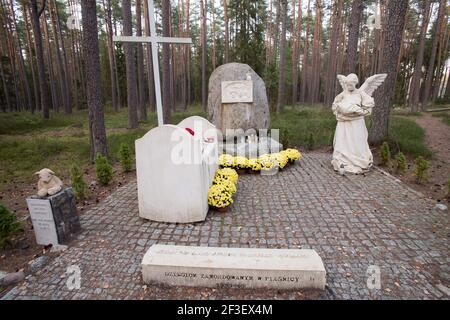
153	39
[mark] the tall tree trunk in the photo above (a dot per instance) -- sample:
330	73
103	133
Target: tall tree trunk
93	78
150	80
167	94
315	87
393	31
353	35
203	45
188	56
431	64
140	64
23	75
130	61
63	81
414	91
227	31
111	56
51	71
305	63
281	70
296	52
43	85
25	10
332	56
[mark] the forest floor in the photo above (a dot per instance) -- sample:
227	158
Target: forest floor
29	143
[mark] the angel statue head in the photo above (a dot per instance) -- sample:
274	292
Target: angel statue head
349	83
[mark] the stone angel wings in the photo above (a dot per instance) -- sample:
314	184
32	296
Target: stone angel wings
368	87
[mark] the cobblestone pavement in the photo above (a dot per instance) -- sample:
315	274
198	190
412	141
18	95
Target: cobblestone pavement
353	222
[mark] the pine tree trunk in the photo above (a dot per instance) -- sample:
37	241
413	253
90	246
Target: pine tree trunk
393	31
51	74
111	57
305	64
203	45
414	91
150	80
140	64
167	95
353	36
281	69
315	87
431	64
93	78
130	61
227	32
43	85
332	56
296	52
63	83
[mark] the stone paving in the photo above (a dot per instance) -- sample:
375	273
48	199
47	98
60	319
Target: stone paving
353	222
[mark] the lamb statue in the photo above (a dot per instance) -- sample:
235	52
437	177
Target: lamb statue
351	149
48	183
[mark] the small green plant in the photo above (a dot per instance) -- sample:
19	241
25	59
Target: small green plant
125	157
78	184
420	169
9	226
310	143
103	169
400	162
385	154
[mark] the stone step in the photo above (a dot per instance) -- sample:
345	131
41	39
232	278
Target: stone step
233	267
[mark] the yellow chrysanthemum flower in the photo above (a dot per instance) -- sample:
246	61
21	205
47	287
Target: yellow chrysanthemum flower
225	160
292	154
254	164
226	174
240	162
219	197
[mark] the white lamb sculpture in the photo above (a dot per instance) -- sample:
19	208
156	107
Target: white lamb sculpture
48	183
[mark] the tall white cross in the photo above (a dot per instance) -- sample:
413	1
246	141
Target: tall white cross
153	39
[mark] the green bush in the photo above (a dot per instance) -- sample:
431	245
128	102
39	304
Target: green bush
385	154
103	169
310	142
78	184
9	226
400	162
420	169
126	160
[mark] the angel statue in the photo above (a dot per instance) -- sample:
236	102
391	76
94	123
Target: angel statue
351	149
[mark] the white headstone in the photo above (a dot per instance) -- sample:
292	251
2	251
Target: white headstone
43	222
234	267
175	170
237	91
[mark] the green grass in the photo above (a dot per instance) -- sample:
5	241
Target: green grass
445	116
28	143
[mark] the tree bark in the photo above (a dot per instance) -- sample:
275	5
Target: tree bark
414	91
305	63
43	85
150	80
332	58
203	45
393	31
167	94
93	90
296	52
431	64
130	61
140	64
281	70
315	87
111	56
353	35
227	31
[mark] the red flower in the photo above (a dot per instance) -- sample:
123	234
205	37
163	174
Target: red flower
190	130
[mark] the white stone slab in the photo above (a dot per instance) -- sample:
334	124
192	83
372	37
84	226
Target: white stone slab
237	91
175	170
43	221
233	267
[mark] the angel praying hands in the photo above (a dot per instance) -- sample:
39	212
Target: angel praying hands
351	149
